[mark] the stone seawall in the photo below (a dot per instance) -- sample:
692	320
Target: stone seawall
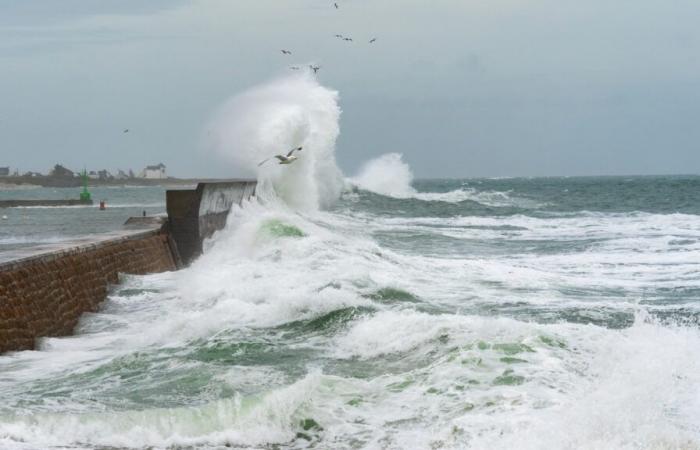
45	291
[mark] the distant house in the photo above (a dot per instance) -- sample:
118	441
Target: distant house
4	171
60	171
154	172
104	175
93	175
121	175
32	174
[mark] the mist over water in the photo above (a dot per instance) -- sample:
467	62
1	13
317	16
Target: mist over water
392	313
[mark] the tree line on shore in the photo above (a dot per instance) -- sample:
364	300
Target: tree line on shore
60	176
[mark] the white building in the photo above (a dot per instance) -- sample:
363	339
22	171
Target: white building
154	172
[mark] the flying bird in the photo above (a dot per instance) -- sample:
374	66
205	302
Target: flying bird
285	159
294	68
126	130
373	40
339	36
286	52
315	68
347	39
336	5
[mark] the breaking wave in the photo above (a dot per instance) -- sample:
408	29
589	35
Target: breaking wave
273	118
390	176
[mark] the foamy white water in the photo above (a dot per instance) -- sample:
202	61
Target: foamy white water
527	314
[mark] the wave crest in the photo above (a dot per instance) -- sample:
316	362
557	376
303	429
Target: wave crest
273	118
390	176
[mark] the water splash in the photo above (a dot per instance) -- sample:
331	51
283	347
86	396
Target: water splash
273	118
391	176
386	175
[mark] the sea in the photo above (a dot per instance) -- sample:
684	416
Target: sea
376	310
529	313
47	225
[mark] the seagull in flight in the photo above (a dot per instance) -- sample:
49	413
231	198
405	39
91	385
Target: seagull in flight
285	159
294	68
126	130
373	40
315	68
336	5
339	36
286	52
347	39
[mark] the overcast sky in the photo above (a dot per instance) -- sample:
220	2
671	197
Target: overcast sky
460	87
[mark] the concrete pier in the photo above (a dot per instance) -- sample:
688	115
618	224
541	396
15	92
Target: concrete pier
45	289
19	203
194	215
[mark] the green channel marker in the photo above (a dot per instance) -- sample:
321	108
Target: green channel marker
85	195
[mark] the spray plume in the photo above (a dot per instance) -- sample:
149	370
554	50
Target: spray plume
273	118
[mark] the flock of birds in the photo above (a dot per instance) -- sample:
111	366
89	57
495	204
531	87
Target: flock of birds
290	157
314	67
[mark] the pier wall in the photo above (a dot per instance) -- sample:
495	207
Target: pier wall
44	290
45	294
194	215
18	203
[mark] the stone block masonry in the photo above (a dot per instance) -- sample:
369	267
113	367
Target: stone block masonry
45	291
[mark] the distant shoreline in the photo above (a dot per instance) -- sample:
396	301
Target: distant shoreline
78	182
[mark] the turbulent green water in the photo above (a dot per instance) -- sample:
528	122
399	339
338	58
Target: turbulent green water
481	313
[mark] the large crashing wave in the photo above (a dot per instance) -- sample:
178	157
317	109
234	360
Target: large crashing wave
273	118
295	111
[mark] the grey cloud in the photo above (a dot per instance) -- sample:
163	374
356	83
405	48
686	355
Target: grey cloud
461	88
23	12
